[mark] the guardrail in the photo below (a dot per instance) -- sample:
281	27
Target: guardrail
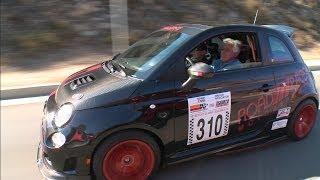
27	92
315	68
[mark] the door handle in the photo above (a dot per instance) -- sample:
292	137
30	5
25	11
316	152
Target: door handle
265	87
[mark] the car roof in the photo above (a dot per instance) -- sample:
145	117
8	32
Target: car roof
287	30
193	29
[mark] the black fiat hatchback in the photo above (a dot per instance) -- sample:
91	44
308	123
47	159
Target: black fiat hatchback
182	92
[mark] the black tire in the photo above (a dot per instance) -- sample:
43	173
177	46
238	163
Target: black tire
293	134
120	137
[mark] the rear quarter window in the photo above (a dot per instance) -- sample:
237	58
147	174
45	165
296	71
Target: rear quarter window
278	50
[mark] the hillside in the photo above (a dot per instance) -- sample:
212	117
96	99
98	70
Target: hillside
37	33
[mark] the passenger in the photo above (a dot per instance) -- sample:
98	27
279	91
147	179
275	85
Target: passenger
229	54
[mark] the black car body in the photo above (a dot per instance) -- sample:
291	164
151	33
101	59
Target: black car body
111	98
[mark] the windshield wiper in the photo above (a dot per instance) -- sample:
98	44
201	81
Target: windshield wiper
116	66
109	66
121	65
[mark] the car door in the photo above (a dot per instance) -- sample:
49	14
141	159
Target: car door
248	91
289	75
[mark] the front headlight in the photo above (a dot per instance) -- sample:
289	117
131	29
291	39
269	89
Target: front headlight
58	139
63	115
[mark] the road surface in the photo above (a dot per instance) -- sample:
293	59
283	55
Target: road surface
20	126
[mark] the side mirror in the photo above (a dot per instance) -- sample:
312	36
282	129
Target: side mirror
198	71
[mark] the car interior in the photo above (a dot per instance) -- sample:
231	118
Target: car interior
249	55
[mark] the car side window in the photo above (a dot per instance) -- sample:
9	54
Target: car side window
227	51
278	50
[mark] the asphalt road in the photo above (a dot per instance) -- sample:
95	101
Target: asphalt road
20	131
20	126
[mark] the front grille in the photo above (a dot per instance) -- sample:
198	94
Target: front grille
70	164
81	81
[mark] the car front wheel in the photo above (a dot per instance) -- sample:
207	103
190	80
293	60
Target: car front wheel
126	155
302	120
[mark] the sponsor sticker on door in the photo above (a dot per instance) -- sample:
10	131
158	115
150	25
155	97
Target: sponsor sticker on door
209	117
284	112
279	124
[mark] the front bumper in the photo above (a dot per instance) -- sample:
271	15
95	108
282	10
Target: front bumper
49	173
70	161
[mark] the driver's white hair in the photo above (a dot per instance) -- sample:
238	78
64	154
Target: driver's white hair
235	44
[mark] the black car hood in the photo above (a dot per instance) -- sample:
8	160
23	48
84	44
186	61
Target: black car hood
95	86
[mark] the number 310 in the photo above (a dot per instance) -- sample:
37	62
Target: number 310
217	129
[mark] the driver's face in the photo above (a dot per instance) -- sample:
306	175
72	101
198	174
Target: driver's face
199	54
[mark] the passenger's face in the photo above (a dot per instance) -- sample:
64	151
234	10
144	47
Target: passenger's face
227	53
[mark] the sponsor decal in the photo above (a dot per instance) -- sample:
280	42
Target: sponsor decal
222	103
279	124
220	96
272	100
198	107
201	99
284	112
209	117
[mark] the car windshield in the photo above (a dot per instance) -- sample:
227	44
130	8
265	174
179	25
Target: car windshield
141	58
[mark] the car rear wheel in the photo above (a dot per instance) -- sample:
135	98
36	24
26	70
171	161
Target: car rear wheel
303	120
127	155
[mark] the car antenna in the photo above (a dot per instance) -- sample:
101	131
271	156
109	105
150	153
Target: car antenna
255	18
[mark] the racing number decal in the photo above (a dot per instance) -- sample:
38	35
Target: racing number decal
217	128
201	121
208	117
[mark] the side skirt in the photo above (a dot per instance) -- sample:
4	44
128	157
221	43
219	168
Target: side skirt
241	145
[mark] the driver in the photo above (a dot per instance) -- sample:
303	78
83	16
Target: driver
199	54
229	54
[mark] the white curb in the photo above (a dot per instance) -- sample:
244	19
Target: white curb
11	102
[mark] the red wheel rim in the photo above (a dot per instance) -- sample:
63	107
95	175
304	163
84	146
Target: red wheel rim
131	159
305	121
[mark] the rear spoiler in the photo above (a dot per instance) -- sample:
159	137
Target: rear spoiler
282	28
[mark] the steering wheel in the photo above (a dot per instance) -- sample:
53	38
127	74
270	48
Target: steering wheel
188	62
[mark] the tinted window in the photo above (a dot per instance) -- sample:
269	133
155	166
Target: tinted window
279	51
